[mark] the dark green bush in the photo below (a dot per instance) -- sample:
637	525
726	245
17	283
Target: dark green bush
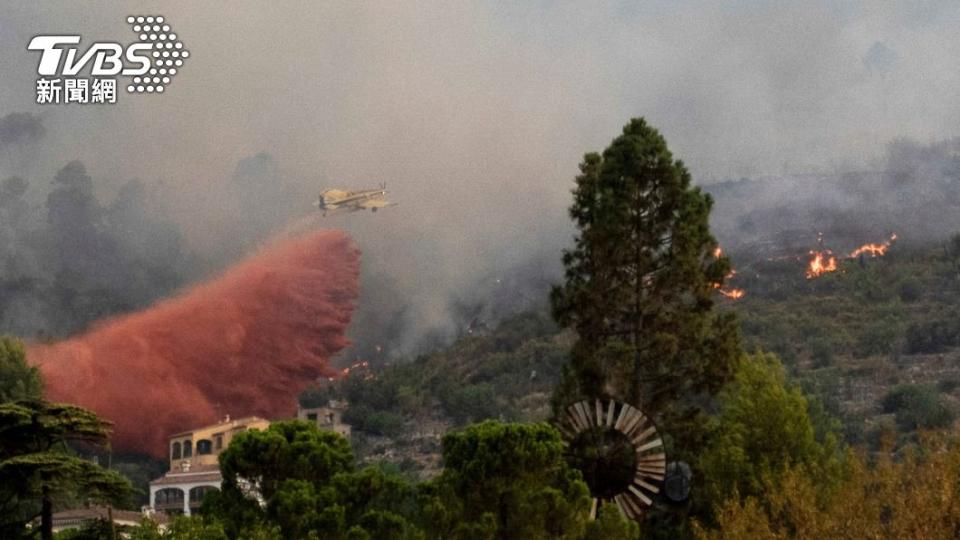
821	352
910	290
879	337
933	336
471	403
918	406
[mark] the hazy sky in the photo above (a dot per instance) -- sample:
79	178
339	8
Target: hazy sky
476	114
363	90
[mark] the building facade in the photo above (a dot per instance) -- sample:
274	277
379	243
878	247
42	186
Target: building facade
193	464
328	417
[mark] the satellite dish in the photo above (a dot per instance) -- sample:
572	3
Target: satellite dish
619	452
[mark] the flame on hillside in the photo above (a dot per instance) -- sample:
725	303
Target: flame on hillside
354	367
875	250
733	294
824	261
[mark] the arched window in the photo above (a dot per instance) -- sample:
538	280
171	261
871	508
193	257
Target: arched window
187	449
168	496
204	447
197	493
175	452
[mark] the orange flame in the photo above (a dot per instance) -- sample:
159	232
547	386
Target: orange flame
734	294
729	293
821	263
875	250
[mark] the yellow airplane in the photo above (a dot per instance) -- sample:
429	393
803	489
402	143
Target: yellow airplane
340	201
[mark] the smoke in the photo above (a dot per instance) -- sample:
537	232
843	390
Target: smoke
914	193
69	259
20	128
475	115
243	344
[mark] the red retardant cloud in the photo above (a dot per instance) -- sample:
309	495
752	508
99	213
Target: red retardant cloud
243	344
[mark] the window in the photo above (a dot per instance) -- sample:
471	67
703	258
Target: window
197	493
168	496
312	417
187	449
218	441
204	447
175	453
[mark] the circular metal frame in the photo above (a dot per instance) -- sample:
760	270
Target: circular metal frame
651	461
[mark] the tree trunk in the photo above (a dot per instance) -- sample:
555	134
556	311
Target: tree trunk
46	517
113	526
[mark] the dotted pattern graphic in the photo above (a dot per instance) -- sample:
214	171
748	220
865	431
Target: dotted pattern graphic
167	55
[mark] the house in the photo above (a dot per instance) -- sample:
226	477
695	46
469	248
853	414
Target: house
194	469
328	417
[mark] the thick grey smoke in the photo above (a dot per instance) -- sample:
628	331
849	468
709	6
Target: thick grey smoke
914	193
20	128
475	115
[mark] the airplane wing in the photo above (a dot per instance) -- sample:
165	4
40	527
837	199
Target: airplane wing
375	203
362	196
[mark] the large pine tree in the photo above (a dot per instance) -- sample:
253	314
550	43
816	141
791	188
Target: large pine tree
640	287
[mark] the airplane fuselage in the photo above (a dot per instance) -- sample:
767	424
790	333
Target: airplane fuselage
352	201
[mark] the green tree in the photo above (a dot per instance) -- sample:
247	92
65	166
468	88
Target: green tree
506	481
300	481
640	284
181	528
285	450
259	464
918	407
611	524
37	469
18	380
763	427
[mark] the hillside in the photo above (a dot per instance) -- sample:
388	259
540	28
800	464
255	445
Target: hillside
876	342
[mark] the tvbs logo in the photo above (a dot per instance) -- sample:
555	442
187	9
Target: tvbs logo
151	63
107	57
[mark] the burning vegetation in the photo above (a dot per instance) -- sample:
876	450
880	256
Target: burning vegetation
821	261
824	261
874	250
733	294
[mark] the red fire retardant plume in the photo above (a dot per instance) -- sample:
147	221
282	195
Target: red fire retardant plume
243	344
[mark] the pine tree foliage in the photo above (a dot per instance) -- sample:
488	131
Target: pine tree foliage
640	285
37	468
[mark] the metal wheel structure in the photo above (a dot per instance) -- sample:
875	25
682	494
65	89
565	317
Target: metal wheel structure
627	424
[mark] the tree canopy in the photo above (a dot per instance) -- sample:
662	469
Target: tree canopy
763	428
500	480
37	468
18	380
301	480
507	481
640	283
